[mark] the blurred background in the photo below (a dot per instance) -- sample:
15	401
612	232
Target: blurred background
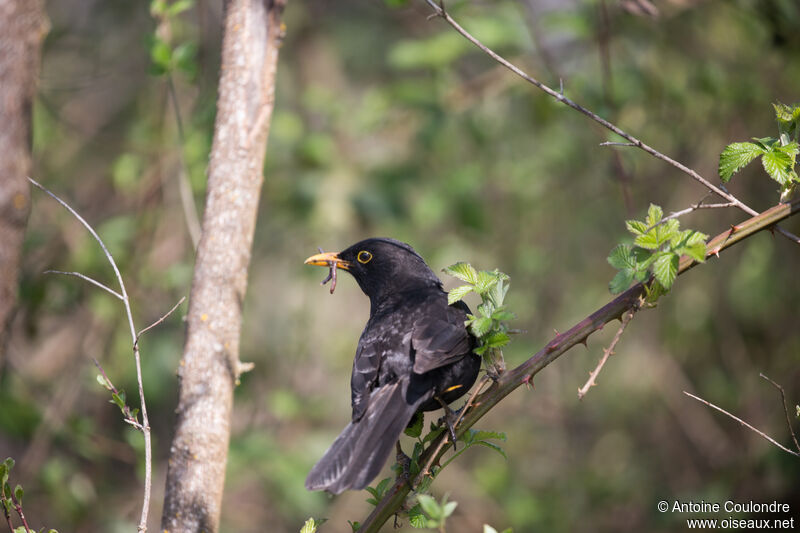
389	124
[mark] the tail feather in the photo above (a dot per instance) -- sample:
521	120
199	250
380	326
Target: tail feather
360	451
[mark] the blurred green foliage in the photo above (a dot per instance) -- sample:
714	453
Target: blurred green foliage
390	124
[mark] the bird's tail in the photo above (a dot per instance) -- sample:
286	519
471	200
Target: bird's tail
360	451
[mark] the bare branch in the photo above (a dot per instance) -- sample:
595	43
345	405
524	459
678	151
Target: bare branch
160	320
591	382
123	295
87	278
745	424
439	11
785	410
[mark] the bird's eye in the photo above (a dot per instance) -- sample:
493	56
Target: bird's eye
364	257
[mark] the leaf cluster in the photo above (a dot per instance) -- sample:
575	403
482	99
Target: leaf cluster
11	501
429	513
778	154
489	325
168	56
656	250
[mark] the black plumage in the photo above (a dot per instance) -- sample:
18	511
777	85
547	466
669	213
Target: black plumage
413	352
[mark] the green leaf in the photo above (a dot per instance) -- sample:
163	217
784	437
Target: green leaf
414	429
458	293
480	326
118	399
736	156
492	446
184	58
19	493
463	271
665	269
501	315
417	518
101	379
448	508
654	215
9	462
486	280
179	7
482	434
637	227
355	526
160	55
622	257
778	165
497	339
621	282
429	506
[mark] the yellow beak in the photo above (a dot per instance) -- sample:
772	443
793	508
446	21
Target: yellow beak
327	259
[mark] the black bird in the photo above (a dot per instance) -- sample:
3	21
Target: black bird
415	354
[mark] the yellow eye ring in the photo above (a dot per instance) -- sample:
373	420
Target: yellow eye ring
364	257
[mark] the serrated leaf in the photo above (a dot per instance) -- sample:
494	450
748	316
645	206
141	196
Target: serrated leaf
498	339
649	240
482	434
654	215
497	294
480	326
486	280
458	293
736	156
637	227
417	518
493	446
621	281
309	527
665	269
463	271
778	165
501	315
621	257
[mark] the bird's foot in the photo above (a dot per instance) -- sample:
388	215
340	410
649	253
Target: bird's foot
450	418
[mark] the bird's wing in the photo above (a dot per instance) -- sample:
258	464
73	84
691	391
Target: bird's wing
364	378
439	340
360	451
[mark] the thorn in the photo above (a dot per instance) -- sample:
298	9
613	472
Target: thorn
734	228
552	348
556	332
528	381
584	341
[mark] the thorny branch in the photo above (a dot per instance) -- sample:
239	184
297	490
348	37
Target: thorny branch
123	295
745	424
440	11
579	333
626	318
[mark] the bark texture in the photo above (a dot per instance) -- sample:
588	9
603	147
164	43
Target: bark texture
210	365
22	29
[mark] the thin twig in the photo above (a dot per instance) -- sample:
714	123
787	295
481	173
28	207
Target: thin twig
18	509
160	320
184	187
148	452
745	424
439	11
785	410
86	278
591	382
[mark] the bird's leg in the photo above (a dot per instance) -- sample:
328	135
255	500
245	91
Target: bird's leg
404	463
450	417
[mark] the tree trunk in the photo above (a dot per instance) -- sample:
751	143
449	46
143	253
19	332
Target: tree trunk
23	27
210	366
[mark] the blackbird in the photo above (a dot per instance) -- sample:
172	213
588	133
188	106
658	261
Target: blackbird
415	354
